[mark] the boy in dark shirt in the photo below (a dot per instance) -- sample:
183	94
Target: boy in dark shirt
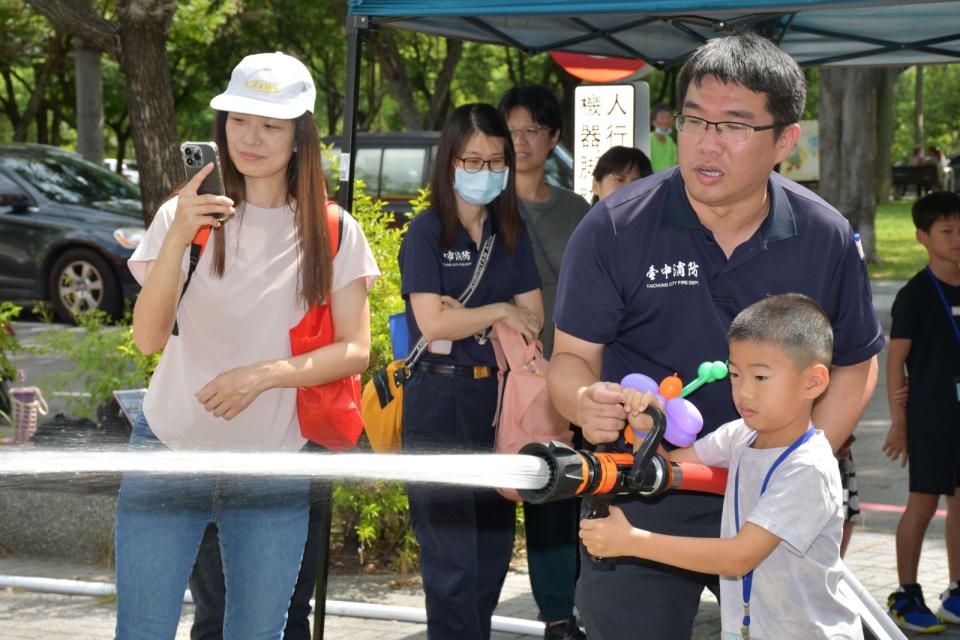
925	337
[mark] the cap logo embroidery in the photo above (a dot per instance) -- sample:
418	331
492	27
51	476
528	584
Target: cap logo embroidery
261	86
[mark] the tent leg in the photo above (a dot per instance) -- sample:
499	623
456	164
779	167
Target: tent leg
357	29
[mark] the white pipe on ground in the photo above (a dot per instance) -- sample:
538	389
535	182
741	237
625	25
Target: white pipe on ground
873	615
334	607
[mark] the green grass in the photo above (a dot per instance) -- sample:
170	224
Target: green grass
900	255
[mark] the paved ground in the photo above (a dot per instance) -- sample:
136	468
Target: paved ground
32	615
871	557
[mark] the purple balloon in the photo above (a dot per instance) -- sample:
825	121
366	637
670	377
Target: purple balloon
684	422
640	382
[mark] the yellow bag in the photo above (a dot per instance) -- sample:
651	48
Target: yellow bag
382	407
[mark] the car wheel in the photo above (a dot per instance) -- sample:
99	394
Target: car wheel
80	281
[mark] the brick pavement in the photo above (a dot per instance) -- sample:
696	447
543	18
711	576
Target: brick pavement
27	615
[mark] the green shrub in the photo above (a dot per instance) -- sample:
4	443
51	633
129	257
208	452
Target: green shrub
9	345
104	359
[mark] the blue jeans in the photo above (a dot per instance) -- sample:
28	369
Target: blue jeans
160	522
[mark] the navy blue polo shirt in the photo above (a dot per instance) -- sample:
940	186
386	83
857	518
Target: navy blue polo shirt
426	267
644	277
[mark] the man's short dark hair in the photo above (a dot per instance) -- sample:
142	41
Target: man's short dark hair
939	205
791	321
753	62
539	101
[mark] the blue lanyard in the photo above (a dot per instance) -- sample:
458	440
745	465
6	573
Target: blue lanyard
946	304
747	581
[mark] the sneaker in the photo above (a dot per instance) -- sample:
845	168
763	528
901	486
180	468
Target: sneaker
950	604
910	612
568	630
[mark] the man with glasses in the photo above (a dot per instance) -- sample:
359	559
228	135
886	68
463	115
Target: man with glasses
551	214
655	274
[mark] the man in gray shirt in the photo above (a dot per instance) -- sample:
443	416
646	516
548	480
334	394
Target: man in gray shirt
551	214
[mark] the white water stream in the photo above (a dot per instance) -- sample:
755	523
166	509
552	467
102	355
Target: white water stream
486	470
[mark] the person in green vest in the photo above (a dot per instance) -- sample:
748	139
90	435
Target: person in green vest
663	149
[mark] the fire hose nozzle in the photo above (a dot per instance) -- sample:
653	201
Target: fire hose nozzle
568	472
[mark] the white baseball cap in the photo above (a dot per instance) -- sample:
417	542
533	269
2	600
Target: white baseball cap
272	85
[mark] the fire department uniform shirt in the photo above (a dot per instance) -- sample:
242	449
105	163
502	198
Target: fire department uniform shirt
426	267
237	320
643	277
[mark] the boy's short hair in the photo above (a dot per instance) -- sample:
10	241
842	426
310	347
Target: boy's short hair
791	321
934	206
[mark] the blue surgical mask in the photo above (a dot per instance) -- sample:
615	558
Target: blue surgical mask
663	132
481	187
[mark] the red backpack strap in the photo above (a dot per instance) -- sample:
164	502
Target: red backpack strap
197	245
334	227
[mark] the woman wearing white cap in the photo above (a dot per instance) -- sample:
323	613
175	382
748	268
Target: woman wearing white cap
227	380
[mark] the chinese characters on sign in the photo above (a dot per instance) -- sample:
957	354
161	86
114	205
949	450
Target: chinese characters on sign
604	118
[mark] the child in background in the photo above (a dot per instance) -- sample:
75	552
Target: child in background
779	555
616	167
925	337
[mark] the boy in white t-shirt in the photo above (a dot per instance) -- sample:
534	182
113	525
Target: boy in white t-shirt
778	556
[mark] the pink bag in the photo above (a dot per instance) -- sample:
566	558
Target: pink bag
526	413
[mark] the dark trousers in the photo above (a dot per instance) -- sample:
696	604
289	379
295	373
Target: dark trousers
552	554
465	535
638	598
207	587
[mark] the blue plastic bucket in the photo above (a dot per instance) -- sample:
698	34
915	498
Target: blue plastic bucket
399	336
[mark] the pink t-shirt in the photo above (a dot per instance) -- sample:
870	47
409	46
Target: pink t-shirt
237	320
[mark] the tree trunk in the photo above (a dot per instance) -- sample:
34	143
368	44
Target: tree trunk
440	99
848	147
89	85
831	151
885	124
42	78
144	25
396	76
918	110
858	192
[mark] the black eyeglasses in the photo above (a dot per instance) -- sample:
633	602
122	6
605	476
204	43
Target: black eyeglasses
731	131
473	165
527	132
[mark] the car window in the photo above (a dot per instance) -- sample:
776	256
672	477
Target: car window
402	171
367	168
558	170
68	180
10	191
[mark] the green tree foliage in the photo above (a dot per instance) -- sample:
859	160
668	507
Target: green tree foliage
941	122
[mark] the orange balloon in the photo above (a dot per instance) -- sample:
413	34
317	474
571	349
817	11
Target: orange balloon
671	386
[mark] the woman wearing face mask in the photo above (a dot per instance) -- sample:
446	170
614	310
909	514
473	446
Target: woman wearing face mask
465	535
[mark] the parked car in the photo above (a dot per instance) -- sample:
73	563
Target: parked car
128	170
394	165
67	227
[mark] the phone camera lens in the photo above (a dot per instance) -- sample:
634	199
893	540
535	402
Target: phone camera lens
189	161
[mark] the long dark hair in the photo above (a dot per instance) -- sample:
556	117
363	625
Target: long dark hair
462	124
306	194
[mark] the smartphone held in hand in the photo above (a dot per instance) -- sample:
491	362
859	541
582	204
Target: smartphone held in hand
195	156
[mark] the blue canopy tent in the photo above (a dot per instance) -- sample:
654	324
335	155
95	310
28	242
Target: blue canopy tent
663	32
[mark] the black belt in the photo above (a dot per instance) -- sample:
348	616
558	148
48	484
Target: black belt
438	369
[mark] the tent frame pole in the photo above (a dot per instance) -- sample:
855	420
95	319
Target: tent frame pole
358	29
